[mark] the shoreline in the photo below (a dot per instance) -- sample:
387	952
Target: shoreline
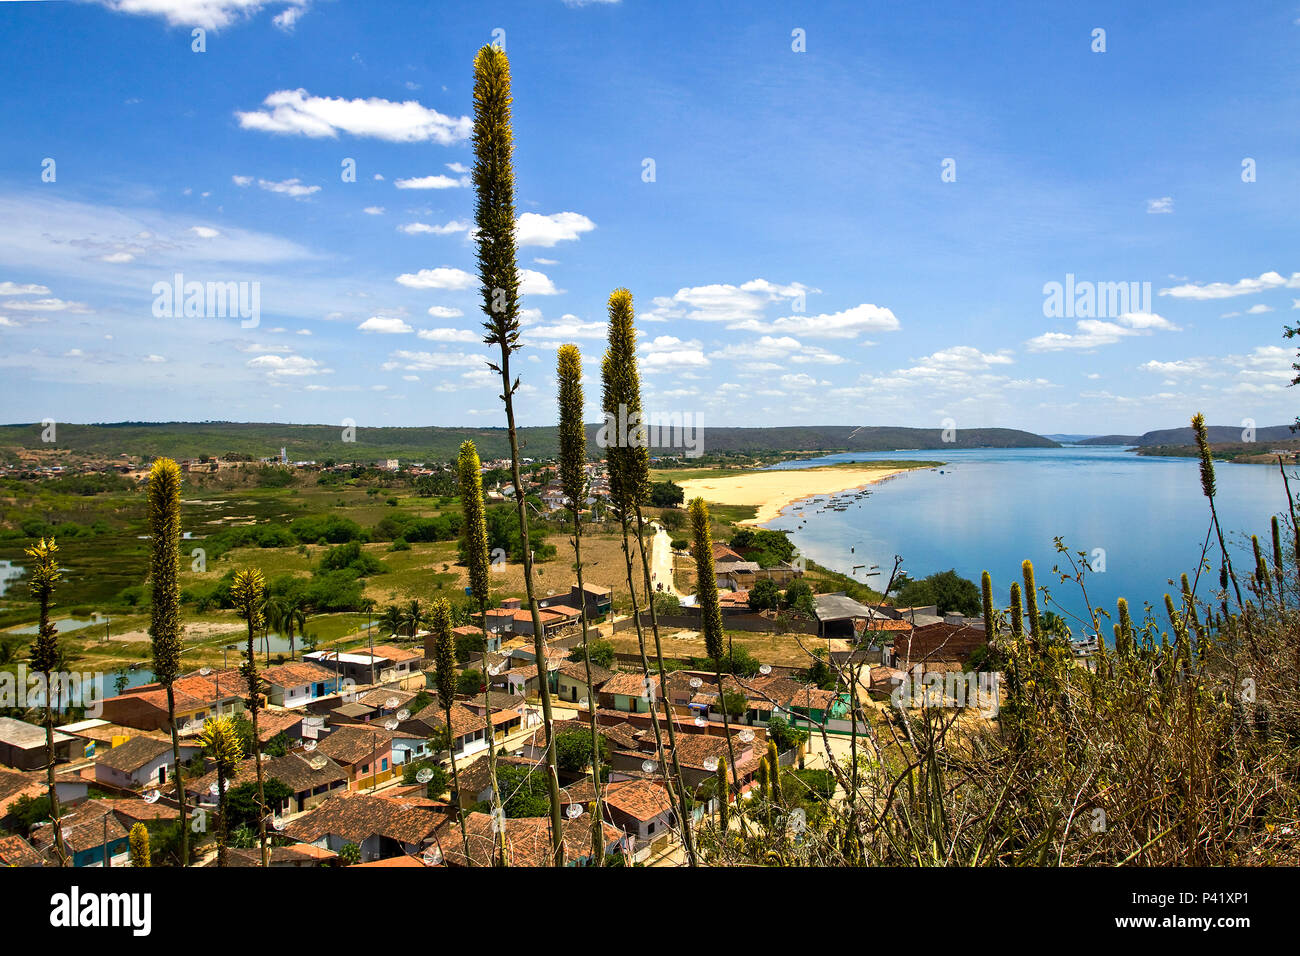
772	491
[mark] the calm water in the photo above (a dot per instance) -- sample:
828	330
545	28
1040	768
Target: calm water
992	508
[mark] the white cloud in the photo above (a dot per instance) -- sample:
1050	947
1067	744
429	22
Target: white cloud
428	361
384	324
721	302
835	325
12	288
1092	333
1259	309
537	230
287	365
1226	290
569	327
1165	204
423	228
288	18
211	14
204	232
47	305
288	187
374	210
444	312
444	277
242	181
437	181
156	359
450	335
298	112
532	282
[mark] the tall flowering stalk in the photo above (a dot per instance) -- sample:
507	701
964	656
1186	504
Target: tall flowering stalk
573	481
444	662
629	484
1208	488
248	594
706	596
45	573
165	606
494	214
221	741
469	480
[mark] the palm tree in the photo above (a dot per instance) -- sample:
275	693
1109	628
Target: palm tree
573	480
286	613
164	608
368	605
494	215
444	659
629	485
469	479
222	746
45	655
413	616
391	619
247	593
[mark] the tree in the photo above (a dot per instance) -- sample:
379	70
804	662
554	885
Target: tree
139	840
494	215
164	609
247	593
286	614
575	750
600	650
444	662
628	458
764	595
470	681
951	593
799	596
666	494
221	745
437	784
45	573
527	793
349	854
244	804
785	736
391	619
733	704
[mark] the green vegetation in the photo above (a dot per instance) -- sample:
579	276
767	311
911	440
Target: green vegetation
950	592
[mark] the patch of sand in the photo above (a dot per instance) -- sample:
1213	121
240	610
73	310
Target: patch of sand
770	491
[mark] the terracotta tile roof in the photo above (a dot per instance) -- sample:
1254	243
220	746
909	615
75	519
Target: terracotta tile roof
14	785
380	696
135	753
528	840
15	851
397	654
642	800
463	720
298	673
294	770
131	810
629	684
355	743
577	670
83	828
272	722
358	816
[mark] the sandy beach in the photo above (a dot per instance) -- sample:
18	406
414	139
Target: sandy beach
770	491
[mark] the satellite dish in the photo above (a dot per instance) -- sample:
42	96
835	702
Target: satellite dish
390	724
649	766
765	669
696	682
205	671
214	789
746	736
403	714
431	856
701	722
152	796
424	775
498	820
711	764
574	811
584	703
277	822
318	762
494	670
309	745
392	702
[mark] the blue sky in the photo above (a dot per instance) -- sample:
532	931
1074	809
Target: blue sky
798	257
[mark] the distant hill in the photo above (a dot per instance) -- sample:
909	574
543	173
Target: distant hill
1111	440
1172	437
1070	439
321	442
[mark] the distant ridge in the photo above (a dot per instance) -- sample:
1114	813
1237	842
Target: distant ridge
1218	434
321	442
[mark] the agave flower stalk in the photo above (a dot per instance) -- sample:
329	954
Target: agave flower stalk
1031	606
221	741
248	594
469	478
706	590
1208	488
164	608
45	573
139	841
494	214
444	661
573	481
629	483
986	593
1278	567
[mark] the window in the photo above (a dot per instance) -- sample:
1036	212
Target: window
365	768
383	764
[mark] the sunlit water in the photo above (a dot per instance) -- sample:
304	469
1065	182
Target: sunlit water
988	509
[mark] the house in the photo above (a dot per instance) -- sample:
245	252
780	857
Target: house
381	827
395	664
641	809
14	786
939	645
311	776
198	696
365	752
301	855
90	832
510	713
142	761
527	839
571	681
629	692
836	614
15	851
22	745
596	599
299	683
468	729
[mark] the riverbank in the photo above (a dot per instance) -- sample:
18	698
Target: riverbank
772	490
